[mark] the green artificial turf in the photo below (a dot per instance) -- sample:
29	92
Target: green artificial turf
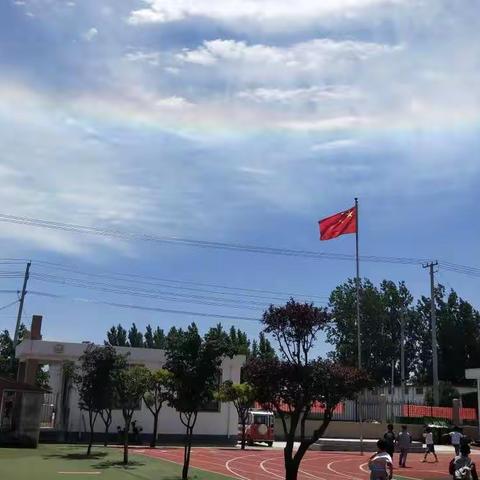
47	461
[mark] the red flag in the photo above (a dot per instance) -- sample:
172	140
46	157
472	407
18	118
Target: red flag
338	224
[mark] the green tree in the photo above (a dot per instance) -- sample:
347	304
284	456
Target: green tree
8	362
135	337
155	395
458	333
292	385
195	366
242	395
447	393
148	337
130	385
117	336
154	338
159	339
381	313
458	337
239	341
95	380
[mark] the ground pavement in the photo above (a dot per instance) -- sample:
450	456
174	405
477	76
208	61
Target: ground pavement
267	464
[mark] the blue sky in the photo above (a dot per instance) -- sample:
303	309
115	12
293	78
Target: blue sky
235	121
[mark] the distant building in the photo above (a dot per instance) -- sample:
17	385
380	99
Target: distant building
218	422
21	401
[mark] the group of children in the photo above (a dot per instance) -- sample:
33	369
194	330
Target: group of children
381	463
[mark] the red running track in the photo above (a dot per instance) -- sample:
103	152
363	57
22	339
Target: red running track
268	464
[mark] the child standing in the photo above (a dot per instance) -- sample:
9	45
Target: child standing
380	463
430	446
462	467
403	441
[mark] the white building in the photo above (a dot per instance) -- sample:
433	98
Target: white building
219	423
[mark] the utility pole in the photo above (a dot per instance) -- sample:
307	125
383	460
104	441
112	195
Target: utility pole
402	355
20	308
433	314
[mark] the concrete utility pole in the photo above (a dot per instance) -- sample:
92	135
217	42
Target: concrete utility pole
20	306
402	355
433	314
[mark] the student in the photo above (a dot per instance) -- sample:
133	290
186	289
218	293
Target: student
456	439
390	438
403	441
380	463
462	467
430	446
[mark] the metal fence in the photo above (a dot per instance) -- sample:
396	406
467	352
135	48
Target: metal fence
47	412
378	410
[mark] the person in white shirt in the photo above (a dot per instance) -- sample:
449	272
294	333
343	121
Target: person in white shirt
430	446
456	439
380	463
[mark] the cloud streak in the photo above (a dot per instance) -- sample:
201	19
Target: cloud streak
278	13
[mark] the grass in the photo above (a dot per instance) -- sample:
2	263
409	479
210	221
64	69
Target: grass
47	461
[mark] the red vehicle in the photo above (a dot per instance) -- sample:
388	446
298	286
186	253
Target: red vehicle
259	427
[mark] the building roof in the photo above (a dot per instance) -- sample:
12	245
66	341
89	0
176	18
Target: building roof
11	384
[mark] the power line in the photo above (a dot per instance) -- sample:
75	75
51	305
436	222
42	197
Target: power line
201	300
179	284
237	296
141	307
106	232
9	305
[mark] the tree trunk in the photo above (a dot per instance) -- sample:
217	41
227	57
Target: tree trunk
291	470
125	439
91	422
90	442
244	440
105	439
186	453
153	443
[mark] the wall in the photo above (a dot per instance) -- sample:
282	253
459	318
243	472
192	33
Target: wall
215	424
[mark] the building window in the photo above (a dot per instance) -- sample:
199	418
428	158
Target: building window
419	390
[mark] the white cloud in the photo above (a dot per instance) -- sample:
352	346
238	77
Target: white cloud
172	70
278	13
327	124
173	103
335	145
152	58
311	55
90	34
311	94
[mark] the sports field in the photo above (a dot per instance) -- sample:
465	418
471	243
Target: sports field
57	462
52	462
268	464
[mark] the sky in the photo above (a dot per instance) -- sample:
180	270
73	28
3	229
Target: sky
237	121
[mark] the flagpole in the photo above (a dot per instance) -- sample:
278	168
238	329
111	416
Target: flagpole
357	283
359	336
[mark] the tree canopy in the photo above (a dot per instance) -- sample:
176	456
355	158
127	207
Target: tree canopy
458	331
194	363
293	384
243	397
95	380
